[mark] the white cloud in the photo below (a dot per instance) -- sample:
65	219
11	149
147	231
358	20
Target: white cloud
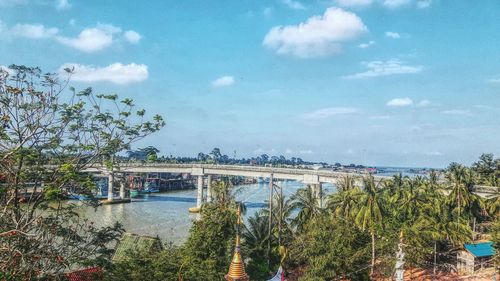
33	31
434	153
395	3
7	69
63	5
461	112
366	45
494	80
328	112
293	4
223	81
91	39
115	73
319	36
380	117
267	12
354	3
400	102
72	22
392	34
385	68
424	103
422	4
132	36
9	3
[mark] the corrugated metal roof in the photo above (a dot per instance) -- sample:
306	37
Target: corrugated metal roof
133	242
483	249
88	274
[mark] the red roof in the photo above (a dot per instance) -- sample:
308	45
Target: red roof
88	274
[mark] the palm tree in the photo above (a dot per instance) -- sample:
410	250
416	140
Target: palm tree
305	201
283	217
439	225
460	183
344	201
369	215
224	196
256	234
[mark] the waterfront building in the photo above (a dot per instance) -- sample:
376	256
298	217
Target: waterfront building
475	257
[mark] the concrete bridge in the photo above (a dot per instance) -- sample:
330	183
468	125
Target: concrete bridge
314	178
205	172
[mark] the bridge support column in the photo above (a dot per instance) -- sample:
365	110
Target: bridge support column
122	188
199	198
111	179
209	188
318	192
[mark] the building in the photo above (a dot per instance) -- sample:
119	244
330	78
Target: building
237	267
475	257
130	243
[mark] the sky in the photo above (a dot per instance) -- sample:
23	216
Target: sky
413	83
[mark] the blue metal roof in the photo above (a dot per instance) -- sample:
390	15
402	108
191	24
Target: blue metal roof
483	249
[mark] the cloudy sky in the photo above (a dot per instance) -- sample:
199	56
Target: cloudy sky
384	82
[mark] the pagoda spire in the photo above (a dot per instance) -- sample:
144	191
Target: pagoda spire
237	267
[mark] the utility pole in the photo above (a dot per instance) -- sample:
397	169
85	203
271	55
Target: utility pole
271	187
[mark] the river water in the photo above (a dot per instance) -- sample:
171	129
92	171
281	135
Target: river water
166	214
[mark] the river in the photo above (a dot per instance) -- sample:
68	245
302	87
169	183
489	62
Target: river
166	214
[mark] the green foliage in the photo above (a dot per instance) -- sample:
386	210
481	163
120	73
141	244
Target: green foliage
210	245
331	248
164	265
47	140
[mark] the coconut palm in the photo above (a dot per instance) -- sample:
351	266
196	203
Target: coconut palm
344	201
224	195
282	216
439	225
460	183
369	215
305	201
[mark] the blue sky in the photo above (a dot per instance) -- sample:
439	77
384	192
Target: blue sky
376	82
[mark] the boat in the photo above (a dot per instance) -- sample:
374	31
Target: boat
194	209
152	185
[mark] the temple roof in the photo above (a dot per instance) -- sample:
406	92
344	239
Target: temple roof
130	243
237	267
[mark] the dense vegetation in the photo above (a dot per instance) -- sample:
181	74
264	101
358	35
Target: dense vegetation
368	228
48	135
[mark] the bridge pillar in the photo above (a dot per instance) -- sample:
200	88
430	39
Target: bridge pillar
199	198
318	192
209	188
111	179
122	188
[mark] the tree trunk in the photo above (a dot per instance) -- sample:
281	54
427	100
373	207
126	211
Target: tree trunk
400	262
434	267
373	254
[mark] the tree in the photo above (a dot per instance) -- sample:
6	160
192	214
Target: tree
460	183
47	141
487	169
207	252
369	217
331	249
305	201
255	240
164	265
439	225
345	200
216	154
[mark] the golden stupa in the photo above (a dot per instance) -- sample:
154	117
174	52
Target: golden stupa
237	267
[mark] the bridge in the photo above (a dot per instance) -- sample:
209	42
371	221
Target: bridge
312	177
205	172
